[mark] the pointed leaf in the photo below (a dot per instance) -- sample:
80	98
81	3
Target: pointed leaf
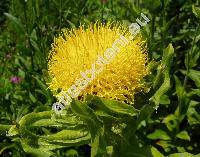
158	134
196	11
156	153
183	135
164	71
182	155
16	21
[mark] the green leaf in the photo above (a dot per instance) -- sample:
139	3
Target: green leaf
145	112
13	131
129	146
72	153
16	21
32	98
46	122
164	99
30	118
183	135
66	118
37	152
192	113
85	112
170	121
153	5
155	152
33	40
196	11
183	100
45	90
69	137
152	65
166	145
193	92
159	134
180	91
119	107
21	73
98	145
5	127
95	126
162	90
163	71
109	150
167	58
113	106
182	155
37	144
195	76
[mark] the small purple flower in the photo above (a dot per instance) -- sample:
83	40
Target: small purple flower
15	79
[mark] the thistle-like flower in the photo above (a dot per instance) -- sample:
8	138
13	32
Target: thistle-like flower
117	75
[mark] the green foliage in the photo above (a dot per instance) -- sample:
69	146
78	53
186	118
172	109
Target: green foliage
164	120
163	72
36	136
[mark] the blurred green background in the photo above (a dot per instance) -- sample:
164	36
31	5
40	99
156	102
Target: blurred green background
27	29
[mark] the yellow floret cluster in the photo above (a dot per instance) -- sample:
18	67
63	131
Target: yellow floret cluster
76	50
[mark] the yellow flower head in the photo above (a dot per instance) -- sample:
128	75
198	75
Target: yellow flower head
118	63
